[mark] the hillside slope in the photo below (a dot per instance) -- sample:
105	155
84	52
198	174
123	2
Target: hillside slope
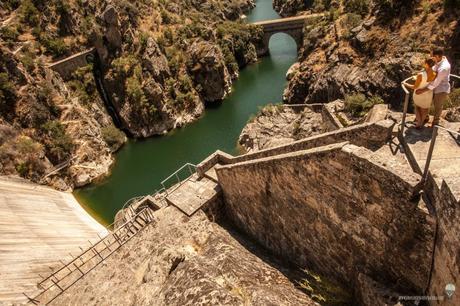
369	46
160	61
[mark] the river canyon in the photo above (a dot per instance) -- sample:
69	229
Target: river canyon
141	165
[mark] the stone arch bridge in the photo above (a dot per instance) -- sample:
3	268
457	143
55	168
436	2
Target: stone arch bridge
293	26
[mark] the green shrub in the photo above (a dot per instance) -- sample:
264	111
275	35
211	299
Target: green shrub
134	91
321	5
83	84
113	136
9	33
452	4
25	145
426	6
360	7
454	99
124	65
391	9
29	14
27	157
54	46
28	60
358	105
7	92
58	144
12	4
349	22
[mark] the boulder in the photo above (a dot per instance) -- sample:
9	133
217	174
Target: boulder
278	125
207	66
112	28
154	61
377	113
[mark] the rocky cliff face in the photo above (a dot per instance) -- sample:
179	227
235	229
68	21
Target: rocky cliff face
159	63
369	46
45	128
276	125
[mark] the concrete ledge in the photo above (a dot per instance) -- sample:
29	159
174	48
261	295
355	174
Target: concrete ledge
211	161
369	135
295	154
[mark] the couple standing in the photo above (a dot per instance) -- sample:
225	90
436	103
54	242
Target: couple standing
432	85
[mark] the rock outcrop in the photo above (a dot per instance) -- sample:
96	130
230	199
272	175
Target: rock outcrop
209	72
64	127
47	134
185	261
277	124
369	48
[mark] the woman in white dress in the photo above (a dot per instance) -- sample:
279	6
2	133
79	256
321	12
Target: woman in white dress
423	101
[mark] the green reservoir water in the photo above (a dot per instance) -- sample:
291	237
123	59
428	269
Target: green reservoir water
142	164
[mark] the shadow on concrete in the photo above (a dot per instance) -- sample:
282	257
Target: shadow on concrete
413	135
297	275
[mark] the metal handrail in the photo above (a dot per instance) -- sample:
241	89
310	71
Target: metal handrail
176	175
120	236
406	100
429	157
108	234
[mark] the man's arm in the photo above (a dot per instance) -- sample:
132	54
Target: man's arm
443	73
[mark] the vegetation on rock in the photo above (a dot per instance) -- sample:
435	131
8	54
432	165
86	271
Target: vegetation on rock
369	47
145	54
358	104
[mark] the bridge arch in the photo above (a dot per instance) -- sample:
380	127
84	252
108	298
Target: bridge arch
264	49
292	26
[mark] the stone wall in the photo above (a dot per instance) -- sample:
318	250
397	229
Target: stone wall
70	64
369	135
446	263
337	210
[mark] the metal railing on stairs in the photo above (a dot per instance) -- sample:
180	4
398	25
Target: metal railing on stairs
435	127
407	98
71	272
190	170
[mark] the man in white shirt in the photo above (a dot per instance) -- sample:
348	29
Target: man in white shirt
440	85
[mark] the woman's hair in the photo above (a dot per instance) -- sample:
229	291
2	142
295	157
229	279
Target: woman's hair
430	62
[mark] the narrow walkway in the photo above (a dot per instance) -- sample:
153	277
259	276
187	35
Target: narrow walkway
445	164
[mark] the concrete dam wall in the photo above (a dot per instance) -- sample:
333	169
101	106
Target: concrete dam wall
38	227
337	209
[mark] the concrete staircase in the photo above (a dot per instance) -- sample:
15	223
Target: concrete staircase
445	163
194	193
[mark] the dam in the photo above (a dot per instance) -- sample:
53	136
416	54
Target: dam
351	207
40	226
141	165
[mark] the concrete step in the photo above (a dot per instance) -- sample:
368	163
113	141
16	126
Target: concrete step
192	194
211	174
393	155
445	163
